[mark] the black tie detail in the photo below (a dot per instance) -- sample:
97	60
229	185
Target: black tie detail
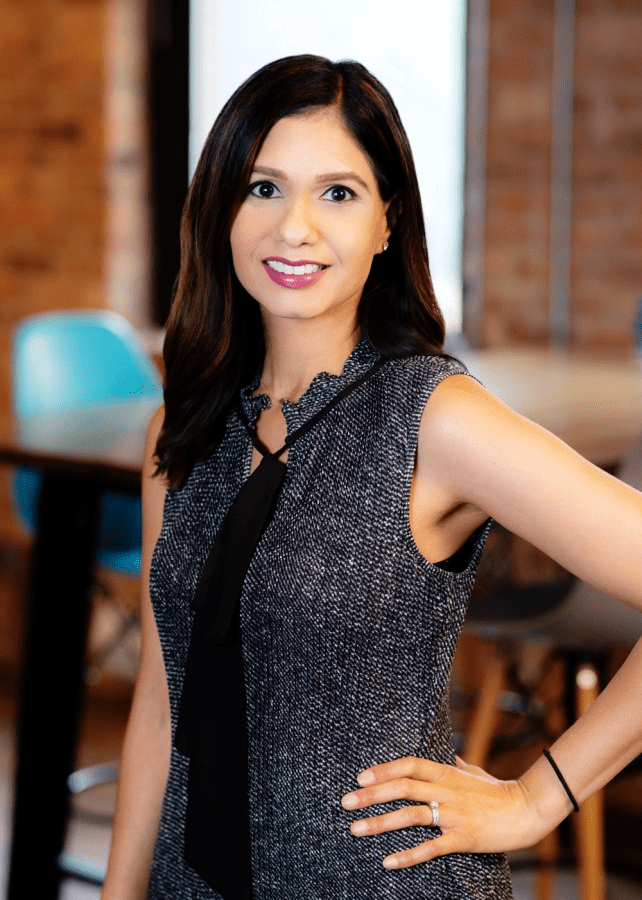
234	547
211	728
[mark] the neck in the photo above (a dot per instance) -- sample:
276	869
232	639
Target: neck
297	351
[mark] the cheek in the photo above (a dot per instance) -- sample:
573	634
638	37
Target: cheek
240	257
359	269
247	230
237	258
243	243
366	242
239	239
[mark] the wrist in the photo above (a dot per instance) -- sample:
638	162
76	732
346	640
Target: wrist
561	779
547	800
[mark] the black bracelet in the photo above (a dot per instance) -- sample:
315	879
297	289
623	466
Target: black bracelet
562	779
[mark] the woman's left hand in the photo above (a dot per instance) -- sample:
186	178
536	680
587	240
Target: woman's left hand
477	813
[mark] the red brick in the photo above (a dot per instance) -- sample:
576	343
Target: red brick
607	162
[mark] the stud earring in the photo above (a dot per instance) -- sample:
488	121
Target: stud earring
385	246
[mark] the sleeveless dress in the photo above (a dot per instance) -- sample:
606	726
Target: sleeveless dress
348	638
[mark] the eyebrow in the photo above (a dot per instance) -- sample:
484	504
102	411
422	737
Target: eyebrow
320	179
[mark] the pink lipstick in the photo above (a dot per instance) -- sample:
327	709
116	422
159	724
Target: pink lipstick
297	274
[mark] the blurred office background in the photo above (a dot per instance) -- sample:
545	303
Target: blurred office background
94	117
525	117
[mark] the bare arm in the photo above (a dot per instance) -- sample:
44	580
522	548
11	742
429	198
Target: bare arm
478	458
146	751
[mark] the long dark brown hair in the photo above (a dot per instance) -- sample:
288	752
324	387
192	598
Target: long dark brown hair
215	342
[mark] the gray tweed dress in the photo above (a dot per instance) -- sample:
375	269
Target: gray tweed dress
348	639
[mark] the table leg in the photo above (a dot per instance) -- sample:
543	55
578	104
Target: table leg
51	689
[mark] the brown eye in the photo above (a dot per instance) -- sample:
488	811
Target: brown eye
264	189
338	193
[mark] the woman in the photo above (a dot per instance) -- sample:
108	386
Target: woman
306	726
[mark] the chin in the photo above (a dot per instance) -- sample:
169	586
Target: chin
293	315
295	307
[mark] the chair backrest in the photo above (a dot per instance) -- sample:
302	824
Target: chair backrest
67	360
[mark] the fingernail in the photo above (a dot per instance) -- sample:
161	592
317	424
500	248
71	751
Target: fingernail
349	801
366	777
390	862
359	827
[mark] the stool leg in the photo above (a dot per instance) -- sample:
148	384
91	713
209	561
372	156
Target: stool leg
484	719
480	734
589	822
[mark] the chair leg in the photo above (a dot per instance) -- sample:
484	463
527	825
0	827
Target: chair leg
589	822
484	718
480	734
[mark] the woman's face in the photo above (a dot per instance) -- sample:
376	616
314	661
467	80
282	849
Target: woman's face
305	236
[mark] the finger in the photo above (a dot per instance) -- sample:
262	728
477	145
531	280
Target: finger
387	791
405	767
463	766
447	843
407	817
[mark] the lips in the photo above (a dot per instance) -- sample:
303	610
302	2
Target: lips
294	274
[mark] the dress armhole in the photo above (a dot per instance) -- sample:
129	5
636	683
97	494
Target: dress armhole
468	553
461	558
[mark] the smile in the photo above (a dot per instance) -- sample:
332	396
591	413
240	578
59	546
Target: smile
295	276
300	269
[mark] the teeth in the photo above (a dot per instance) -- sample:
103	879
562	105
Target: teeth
307	269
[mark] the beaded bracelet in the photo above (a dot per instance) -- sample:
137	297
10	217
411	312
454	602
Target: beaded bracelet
562	779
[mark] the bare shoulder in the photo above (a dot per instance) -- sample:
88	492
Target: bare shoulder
460	403
153	431
477	451
483	450
465	426
156	421
459	426
154	486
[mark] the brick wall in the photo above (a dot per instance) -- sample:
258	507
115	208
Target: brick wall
607	232
52	186
127	261
72	194
607	164
52	200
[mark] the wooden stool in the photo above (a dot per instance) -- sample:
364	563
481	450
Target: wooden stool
589	822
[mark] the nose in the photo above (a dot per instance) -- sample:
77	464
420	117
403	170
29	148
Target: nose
297	223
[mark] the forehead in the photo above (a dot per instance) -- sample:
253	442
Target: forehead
316	141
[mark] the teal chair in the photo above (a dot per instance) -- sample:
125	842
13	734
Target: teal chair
78	360
71	360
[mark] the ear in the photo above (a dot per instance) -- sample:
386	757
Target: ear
393	211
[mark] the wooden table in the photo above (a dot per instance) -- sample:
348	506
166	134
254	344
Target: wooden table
591	402
595	405
79	455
